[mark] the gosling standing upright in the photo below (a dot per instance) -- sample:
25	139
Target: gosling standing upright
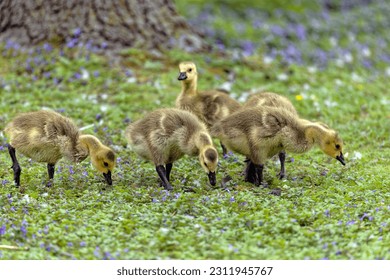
261	132
46	136
209	106
165	135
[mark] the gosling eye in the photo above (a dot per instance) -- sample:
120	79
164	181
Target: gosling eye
105	164
205	164
190	70
337	146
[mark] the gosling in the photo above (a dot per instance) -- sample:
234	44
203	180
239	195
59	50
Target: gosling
272	100
46	136
209	106
261	132
165	135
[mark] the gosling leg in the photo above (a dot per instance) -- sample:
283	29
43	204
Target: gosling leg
224	150
15	165
168	168
163	176
259	173
282	159
50	171
250	172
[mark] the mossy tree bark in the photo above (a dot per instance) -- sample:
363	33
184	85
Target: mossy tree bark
150	24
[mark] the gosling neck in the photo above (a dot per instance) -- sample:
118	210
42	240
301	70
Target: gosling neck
189	87
90	143
203	141
314	133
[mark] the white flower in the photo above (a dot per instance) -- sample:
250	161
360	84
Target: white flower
312	69
333	41
267	60
357	155
388	71
330	103
26	198
282	77
348	57
339	62
356	78
366	52
84	74
131	80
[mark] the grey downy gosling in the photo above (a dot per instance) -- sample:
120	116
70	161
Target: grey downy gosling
165	135
209	106
272	100
262	132
46	136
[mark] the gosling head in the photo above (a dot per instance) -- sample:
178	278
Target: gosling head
187	71
104	161
208	159
332	145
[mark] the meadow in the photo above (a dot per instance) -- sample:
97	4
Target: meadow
332	63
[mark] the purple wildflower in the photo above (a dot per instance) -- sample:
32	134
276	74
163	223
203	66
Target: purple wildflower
257	24
327	213
96	73
83	244
277	30
71	43
71	171
352	222
23	230
108	256
127	120
47	75
248	48
77	32
97	252
129	73
3	229
70	244
77	76
324	173
300	31
47	47
232	199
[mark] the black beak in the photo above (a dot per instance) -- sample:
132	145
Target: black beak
182	76
340	158
107	176
212	179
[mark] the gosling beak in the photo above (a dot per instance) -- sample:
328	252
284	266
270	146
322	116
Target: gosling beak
212	179
107	176
340	158
182	76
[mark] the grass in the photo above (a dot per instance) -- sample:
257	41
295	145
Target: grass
325	211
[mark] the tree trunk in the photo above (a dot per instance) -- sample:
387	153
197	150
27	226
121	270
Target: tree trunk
117	24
